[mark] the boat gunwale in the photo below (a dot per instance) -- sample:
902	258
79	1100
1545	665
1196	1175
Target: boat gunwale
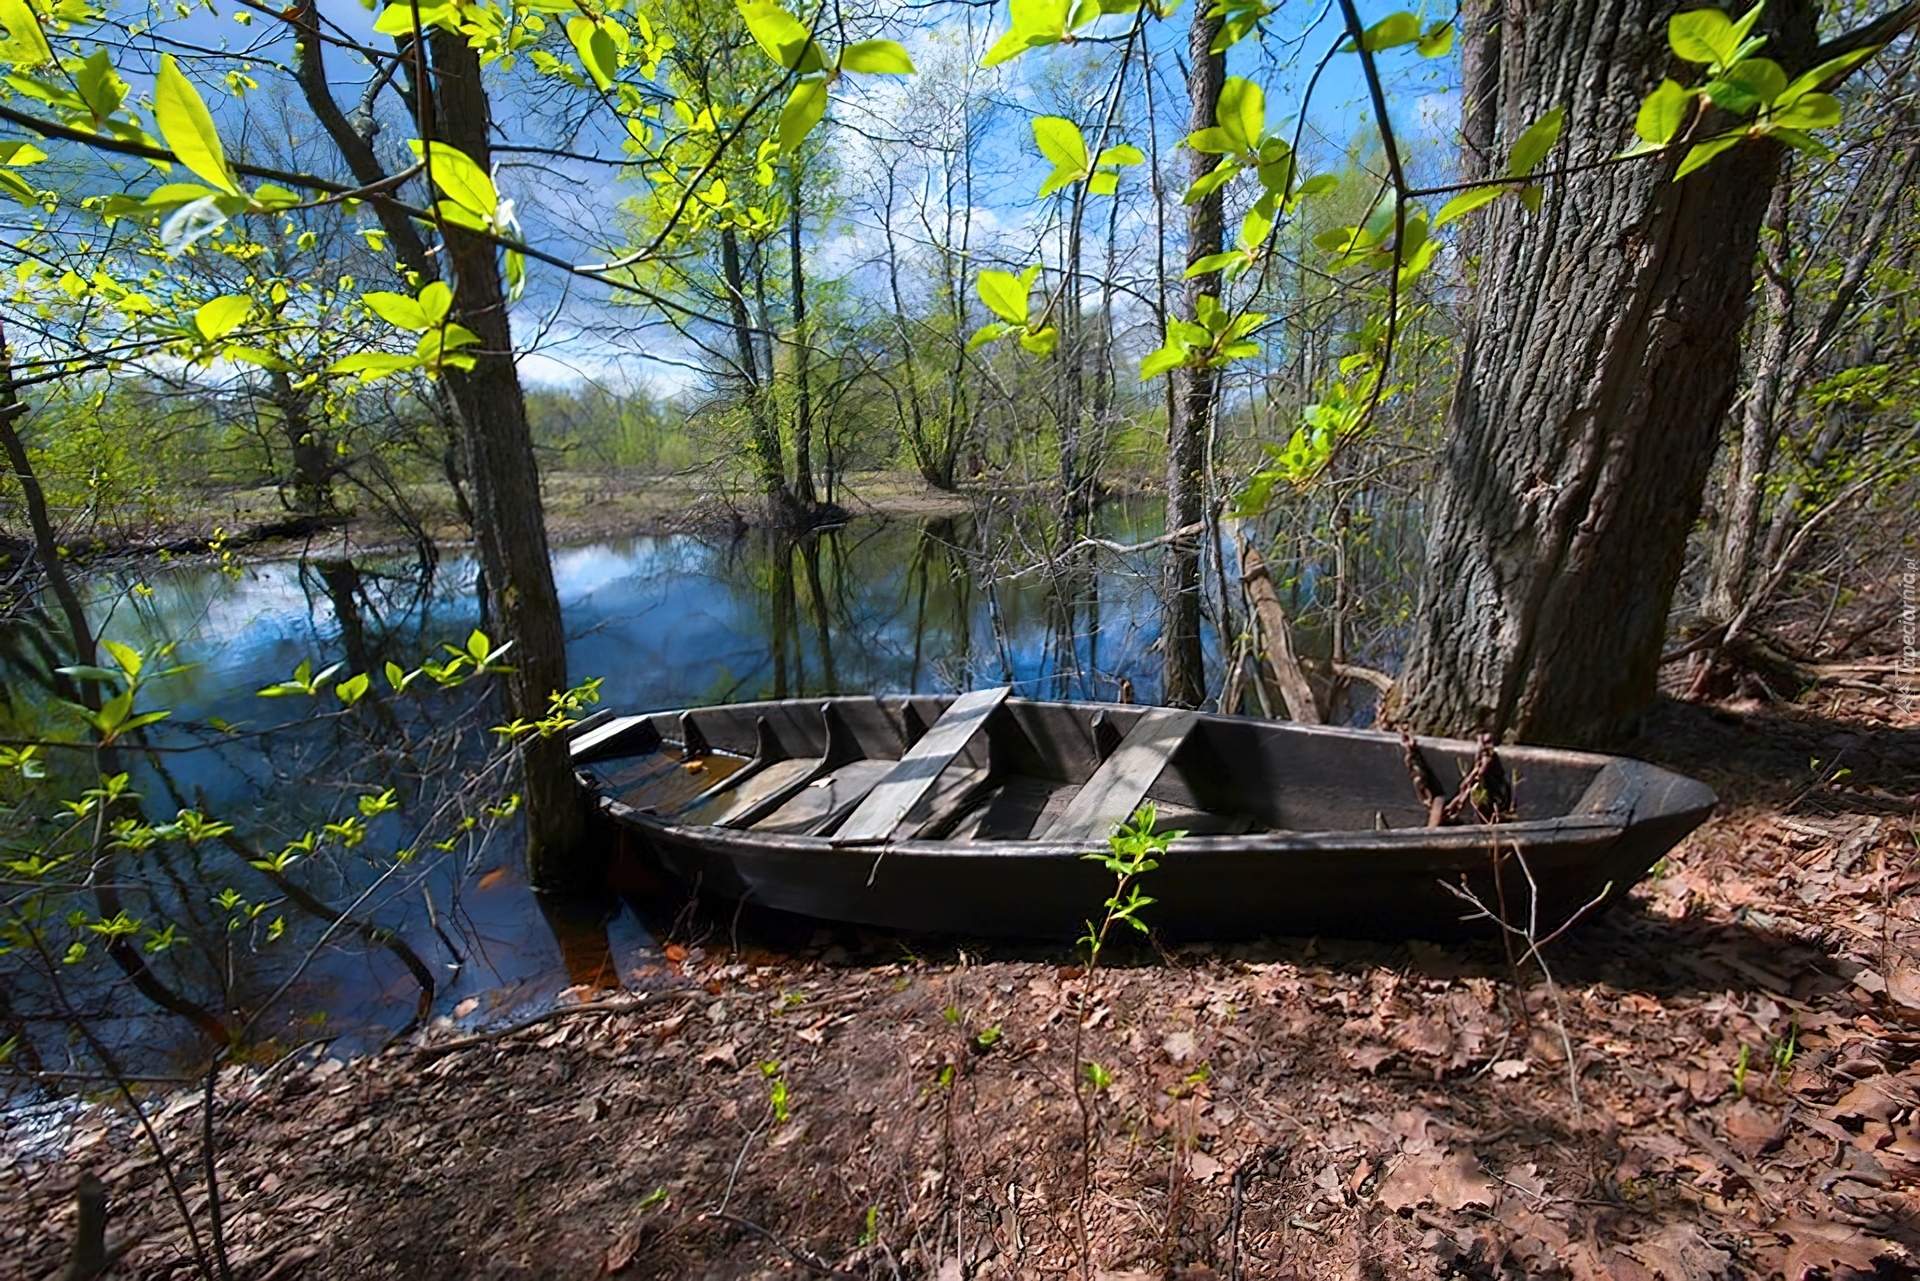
1530	833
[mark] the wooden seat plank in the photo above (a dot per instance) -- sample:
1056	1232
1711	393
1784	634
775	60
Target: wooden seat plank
913	776
1116	789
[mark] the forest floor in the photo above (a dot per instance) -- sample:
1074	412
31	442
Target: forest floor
1724	1082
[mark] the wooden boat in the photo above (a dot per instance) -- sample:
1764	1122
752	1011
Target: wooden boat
975	815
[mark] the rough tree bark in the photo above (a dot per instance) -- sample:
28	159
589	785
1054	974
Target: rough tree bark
1602	352
1183	673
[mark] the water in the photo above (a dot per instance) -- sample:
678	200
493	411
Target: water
884	607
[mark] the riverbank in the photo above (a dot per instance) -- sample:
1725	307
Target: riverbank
1743	1097
580	506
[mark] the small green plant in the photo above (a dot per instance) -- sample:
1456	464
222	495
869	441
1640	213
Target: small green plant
1740	1071
1132	852
870	1230
986	1039
1098	1077
1785	1049
656	1197
776	1090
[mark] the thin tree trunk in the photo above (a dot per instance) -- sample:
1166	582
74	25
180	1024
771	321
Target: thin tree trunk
1183	673
509	522
802	388
1601	354
1746	487
763	441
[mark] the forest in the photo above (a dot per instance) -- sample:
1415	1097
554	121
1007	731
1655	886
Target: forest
391	392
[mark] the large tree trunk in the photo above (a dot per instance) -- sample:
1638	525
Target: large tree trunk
1183	672
1601	355
509	524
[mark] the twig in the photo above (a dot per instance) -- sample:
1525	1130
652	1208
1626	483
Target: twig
1256	1164
805	1258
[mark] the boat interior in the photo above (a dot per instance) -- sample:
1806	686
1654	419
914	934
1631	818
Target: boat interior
988	767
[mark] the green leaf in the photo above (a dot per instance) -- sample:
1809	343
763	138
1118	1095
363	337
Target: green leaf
1662	114
479	645
255	356
1533	145
1035	23
1803	142
1168	358
1212	141
1465	203
1104	182
352	689
1255	228
187	126
19	189
126	655
372	365
465	183
877	57
1060	141
398	309
1391	31
215	320
1211	181
1242	112
805	106
1807	81
1040	342
784	37
1809	111
1703	35
436	300
1705	151
1317	184
1760	77
1124	154
1437	42
988	333
1214	262
26	44
1005	295
595	47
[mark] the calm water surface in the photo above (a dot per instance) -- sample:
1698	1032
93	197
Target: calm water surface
883	607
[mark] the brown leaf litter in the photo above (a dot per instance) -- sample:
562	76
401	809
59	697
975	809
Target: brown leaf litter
1745	1039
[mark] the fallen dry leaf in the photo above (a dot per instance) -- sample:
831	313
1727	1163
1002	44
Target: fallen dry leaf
1507	1069
1451	1180
1368	1058
1833	1248
1679	1253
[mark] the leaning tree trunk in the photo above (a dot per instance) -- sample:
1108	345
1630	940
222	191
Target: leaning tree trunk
509	524
1602	352
1183	672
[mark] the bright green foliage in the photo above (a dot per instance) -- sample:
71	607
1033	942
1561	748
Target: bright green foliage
1132	851
788	42
1061	141
1741	83
1217	340
1009	297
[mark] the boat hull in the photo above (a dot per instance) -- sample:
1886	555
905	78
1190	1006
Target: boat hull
1387	884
